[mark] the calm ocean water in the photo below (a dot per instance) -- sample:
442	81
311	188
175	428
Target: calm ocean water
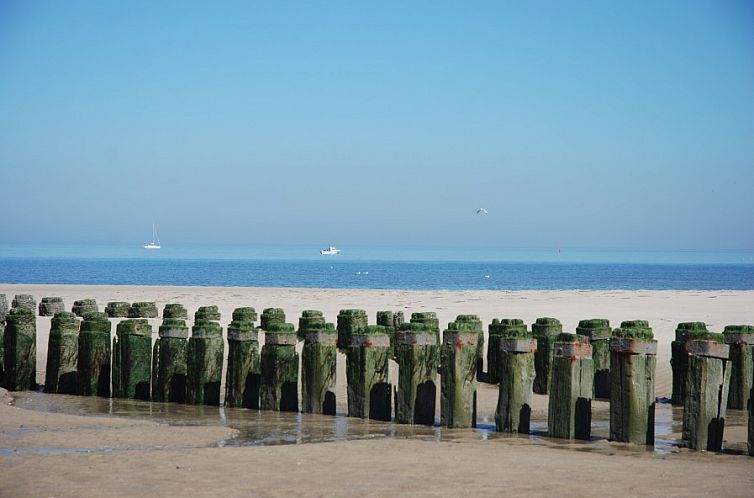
375	268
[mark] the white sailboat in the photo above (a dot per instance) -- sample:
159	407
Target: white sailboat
155	244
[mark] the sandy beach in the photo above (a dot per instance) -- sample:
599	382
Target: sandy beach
56	454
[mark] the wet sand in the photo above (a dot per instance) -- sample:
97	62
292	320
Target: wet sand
124	448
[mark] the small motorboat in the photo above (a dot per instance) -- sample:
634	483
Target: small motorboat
330	251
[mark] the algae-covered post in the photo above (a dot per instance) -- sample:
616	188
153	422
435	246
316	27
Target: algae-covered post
207	313
428	318
61	375
243	377
546	331
387	319
707	383
418	356
84	306
117	309
132	360
458	358
367	374
309	320
515	369
169	361
143	310
679	358
598	331
571	388
740	339
204	362
633	358
279	367
318	370
25	301
476	324
271	316
350	322
175	310
3	308
48	306
498	329
20	349
94	355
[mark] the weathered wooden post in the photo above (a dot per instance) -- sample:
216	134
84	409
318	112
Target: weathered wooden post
175	310
169	361
740	338
3	307
706	393
598	331
204	361
318	370
132	360
458	357
476	323
571	388
633	358
25	301
679	358
309	320
428	318
418	357
48	306
117	309
207	313
546	331
94	355
350	322
61	375
279	366
515	370
271	316
143	310
392	322
368	375
498	329
20	349
243	377
84	306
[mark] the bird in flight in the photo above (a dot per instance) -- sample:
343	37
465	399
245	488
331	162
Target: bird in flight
481	211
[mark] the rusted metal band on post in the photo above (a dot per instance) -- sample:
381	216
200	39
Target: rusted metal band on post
410	339
370	341
173	333
276	339
739	338
320	338
633	346
710	349
518	345
238	336
572	350
463	338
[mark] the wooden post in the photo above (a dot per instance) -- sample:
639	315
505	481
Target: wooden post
350	322
740	338
498	329
633	358
117	309
367	372
132	360
546	331
706	392
84	306
244	375
516	372
598	331
61	374
679	358
318	372
94	362
204	361
279	388
418	356
458	357
169	367
48	306
571	388
20	349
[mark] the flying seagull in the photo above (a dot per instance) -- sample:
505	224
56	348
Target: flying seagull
481	211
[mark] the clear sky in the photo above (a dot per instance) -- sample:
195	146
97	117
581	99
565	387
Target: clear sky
575	124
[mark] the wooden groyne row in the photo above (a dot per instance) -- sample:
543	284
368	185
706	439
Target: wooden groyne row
711	371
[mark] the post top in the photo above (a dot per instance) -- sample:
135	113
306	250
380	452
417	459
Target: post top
134	326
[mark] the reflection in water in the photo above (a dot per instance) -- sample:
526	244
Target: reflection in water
257	427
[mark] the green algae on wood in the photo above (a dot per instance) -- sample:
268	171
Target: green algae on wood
83	306
458	384
740	338
175	310
204	361
243	377
545	330
25	301
117	309
94	355
369	389
350	322
20	349
143	310
132	360
508	327
61	374
318	370
599	332
418	357
48	306
515	373
169	361
571	388
207	313
279	369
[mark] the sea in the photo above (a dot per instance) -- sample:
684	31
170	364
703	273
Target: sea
389	267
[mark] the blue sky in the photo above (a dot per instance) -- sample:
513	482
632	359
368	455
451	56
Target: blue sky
582	124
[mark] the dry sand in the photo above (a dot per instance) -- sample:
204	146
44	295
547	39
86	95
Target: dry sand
46	453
